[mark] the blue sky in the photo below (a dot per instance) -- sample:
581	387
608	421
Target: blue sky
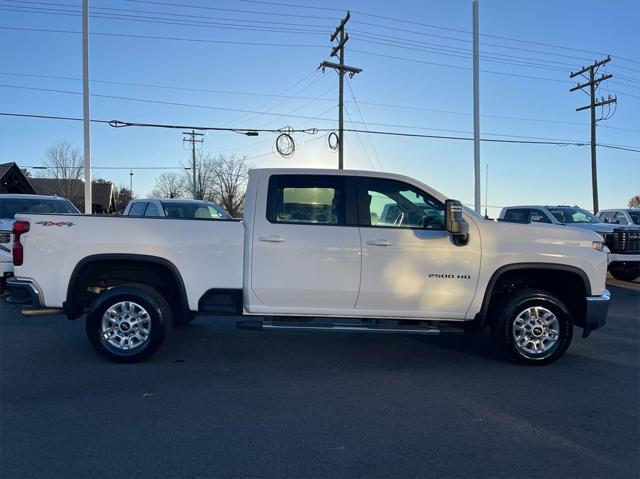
436	86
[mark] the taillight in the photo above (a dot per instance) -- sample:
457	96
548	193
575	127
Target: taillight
19	228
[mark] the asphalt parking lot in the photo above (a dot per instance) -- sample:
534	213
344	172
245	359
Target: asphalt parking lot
219	402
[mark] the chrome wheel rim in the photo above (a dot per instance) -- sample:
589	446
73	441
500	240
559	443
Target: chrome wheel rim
535	331
125	327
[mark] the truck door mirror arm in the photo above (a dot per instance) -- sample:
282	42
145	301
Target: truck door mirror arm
455	223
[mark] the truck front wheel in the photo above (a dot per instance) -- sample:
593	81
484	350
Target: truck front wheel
128	323
532	327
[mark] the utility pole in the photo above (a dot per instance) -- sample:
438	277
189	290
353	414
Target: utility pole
191	137
131	183
593	84
85	108
476	106
341	68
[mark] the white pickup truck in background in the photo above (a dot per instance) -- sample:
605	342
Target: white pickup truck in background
623	241
318	250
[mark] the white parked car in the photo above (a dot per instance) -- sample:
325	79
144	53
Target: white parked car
327	250
622	216
176	208
12	204
622	241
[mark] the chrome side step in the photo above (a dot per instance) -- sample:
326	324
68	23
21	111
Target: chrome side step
41	311
351	326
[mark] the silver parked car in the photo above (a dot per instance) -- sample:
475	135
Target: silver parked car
176	208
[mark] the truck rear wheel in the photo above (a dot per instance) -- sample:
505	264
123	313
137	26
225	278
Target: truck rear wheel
128	323
532	327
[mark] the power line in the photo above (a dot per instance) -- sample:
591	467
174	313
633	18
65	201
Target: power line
167	87
173	14
413	60
118	123
373	146
162	102
156	20
200	23
291	45
124	124
297	97
158	37
458	30
267	113
202	7
243	24
40	167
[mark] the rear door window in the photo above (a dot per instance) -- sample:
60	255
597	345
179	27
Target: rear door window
307	199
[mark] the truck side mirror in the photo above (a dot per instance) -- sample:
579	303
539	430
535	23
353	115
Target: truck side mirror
455	223
536	219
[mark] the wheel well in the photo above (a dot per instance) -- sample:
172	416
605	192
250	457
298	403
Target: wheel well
92	277
567	285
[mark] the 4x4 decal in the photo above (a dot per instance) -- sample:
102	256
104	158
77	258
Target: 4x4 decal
55	223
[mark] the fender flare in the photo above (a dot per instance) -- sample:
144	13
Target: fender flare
73	311
482	316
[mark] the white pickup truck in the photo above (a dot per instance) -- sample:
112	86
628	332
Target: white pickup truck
317	250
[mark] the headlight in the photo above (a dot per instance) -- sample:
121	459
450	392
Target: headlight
600	246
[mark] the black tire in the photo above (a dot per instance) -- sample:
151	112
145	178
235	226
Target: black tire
515	308
157	322
625	274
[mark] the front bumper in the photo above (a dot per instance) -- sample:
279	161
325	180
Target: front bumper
596	313
24	292
627	258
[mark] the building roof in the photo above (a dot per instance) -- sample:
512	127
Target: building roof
13	179
103	192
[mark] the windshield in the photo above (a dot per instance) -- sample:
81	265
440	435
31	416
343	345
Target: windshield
635	217
573	215
9	207
207	211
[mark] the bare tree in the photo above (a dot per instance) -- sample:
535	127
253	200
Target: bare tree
205	179
64	163
169	185
123	196
231	175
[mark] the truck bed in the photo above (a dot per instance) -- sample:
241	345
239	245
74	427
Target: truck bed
207	253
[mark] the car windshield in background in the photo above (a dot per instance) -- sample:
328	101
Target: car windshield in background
635	217
194	210
9	207
574	215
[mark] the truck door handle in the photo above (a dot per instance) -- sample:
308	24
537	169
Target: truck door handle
272	239
378	242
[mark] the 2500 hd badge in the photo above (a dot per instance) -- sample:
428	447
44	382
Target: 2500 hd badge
449	276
